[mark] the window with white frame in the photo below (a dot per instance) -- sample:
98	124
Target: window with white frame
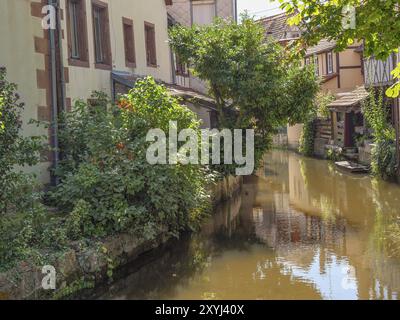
329	62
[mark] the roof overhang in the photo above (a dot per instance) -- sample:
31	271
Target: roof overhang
186	94
349	101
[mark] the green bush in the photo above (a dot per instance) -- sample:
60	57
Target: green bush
17	188
252	82
320	110
107	183
383	160
20	208
306	146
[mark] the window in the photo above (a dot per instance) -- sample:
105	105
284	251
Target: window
150	38
101	35
129	41
329	62
77	33
203	13
316	63
73	11
181	69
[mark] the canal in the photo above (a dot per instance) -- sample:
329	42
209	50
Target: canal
299	229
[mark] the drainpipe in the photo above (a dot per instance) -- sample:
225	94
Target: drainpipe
235	12
54	100
62	102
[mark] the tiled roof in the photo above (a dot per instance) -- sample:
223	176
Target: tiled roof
322	46
350	99
277	26
187	94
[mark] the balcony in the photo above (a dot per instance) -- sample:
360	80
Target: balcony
377	73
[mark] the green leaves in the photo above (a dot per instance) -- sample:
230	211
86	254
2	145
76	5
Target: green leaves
253	83
383	160
394	90
17	189
107	185
377	23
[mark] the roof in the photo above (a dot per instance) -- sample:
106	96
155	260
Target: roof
190	95
186	94
322	46
278	27
349	99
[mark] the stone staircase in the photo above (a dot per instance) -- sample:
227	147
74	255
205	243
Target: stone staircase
350	154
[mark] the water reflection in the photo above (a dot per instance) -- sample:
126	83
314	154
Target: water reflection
298	230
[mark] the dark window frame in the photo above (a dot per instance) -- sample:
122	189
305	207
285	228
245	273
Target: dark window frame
82	58
128	33
151	48
105	41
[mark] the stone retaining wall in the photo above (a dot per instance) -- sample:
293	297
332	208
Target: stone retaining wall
79	267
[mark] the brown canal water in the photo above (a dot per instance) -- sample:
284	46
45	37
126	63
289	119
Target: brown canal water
300	229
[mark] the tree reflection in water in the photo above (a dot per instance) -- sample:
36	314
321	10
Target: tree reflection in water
300	229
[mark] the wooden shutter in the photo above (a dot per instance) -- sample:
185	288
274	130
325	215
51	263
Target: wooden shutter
150	39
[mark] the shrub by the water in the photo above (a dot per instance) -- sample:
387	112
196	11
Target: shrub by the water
107	182
20	209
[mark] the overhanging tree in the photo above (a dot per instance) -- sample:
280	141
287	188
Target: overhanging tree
250	78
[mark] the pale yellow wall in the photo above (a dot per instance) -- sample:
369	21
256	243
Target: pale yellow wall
18	29
294	133
17	54
84	80
331	86
350	58
350	78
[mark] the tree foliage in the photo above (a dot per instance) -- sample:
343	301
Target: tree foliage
250	79
16	188
376	113
377	22
20	208
320	111
106	180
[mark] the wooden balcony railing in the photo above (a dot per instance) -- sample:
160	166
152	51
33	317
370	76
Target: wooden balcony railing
378	72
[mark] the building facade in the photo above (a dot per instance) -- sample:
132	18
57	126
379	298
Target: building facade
340	74
88	41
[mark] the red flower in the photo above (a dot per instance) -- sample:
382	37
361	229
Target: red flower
120	146
123	104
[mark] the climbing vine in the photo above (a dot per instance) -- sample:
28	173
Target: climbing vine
383	161
320	110
307	138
